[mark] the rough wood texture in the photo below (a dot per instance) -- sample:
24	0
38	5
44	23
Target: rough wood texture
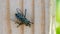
36	13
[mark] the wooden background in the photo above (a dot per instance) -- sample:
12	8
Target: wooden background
38	11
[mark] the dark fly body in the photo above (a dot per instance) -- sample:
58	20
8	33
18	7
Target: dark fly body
22	18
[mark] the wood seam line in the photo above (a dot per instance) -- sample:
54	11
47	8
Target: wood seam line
49	14
8	17
33	17
22	8
43	17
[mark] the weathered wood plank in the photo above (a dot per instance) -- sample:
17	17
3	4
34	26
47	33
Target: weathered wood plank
47	16
43	17
14	4
37	12
2	16
38	15
29	5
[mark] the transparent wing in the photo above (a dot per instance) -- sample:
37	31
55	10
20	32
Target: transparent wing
19	11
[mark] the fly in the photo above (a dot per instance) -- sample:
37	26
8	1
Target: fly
21	17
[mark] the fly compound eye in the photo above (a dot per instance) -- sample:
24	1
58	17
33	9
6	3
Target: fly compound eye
15	14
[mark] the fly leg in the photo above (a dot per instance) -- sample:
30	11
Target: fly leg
20	24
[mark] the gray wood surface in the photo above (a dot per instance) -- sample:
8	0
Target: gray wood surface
37	12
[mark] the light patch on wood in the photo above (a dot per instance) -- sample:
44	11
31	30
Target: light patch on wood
38	15
52	10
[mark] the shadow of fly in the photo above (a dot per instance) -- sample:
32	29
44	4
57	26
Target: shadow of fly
21	17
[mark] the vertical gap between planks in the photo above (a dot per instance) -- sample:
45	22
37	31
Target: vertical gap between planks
49	16
8	17
33	17
21	28
43	17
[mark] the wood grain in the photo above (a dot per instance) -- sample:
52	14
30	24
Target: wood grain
47	16
8	17
32	28
43	17
36	13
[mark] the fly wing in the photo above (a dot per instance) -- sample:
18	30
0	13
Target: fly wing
19	11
